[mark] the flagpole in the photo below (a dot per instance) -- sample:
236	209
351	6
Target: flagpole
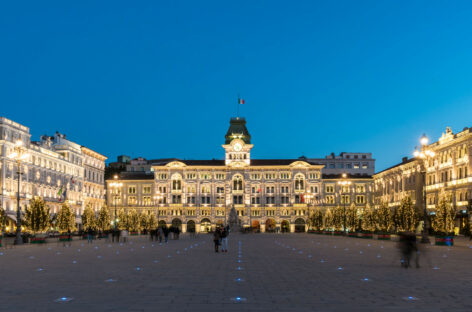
237	115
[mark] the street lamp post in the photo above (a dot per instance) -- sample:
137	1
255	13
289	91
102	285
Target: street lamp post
424	154
344	183
18	155
115	186
157	199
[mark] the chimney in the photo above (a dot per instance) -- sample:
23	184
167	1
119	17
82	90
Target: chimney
404	159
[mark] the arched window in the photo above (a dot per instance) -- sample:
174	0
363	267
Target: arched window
299	182
176	182
238	183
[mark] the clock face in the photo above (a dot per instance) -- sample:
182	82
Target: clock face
237	147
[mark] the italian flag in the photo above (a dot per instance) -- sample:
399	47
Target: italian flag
241	101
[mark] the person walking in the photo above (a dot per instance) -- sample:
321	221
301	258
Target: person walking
166	234
217	238
224	239
89	236
159	234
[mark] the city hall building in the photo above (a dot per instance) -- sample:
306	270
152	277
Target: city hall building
269	194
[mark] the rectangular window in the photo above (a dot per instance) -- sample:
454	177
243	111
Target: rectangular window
270	176
360	188
330	199
345	199
191	176
220	200
360	199
131	200
356	165
285	175
205	200
176	199
237	199
329	188
365	165
205	176
162	189
191	212
314	175
147	189
162	176
348	166
255	176
220	190
132	190
190	189
147	201
220	176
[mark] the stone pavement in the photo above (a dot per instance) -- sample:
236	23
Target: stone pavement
261	272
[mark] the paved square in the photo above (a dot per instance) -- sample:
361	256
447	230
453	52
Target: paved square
261	272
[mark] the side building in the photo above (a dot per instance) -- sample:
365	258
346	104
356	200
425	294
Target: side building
443	171
197	195
54	168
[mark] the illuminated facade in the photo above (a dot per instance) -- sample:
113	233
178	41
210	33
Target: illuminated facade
56	169
445	170
265	193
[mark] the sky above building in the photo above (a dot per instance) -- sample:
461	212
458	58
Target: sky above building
161	78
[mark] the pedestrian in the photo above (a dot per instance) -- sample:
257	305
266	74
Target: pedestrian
217	238
166	234
407	248
89	235
159	234
224	239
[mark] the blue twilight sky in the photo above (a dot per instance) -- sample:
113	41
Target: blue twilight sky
161	78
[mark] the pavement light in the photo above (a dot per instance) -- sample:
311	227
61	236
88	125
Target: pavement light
78	250
340	268
309	256
156	261
365	279
99	257
63	299
110	280
74	262
1	253
185	249
138	269
323	261
239	268
31	257
168	256
410	298
368	245
379	256
239	280
435	268
40	269
361	252
300	252
334	246
238	299
117	252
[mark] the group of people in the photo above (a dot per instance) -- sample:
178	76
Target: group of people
220	238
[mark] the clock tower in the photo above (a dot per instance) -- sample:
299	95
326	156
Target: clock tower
237	143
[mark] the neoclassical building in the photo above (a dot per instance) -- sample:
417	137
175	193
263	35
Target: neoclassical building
444	170
54	168
265	193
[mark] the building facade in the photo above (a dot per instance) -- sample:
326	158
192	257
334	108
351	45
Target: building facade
445	170
264	193
360	164
55	169
402	180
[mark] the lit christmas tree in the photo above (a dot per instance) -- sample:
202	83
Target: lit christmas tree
103	220
443	221
316	219
383	218
133	220
89	220
65	219
352	219
37	216
338	218
122	220
405	216
328	220
368	219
